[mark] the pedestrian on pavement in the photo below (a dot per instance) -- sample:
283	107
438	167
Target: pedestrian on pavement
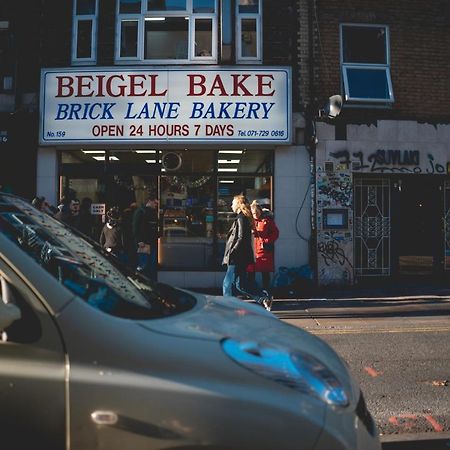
239	254
111	237
145	232
265	234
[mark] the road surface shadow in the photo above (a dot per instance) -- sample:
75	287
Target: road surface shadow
431	444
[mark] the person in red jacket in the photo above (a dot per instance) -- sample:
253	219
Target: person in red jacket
265	234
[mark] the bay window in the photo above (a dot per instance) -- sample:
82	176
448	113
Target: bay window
167	32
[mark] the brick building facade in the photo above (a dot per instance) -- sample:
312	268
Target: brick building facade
382	191
251	39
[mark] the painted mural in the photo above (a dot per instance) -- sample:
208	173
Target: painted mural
334	196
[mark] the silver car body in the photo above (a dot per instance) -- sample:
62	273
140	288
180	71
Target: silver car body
81	378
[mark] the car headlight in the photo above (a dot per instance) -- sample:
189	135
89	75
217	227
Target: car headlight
297	370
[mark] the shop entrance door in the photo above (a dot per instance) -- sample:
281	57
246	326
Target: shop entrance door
418	239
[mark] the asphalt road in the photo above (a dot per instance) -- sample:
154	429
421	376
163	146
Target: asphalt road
398	350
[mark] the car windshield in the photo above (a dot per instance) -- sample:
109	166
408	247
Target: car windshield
83	267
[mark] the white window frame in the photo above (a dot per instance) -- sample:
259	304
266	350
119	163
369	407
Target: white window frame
77	18
140	59
258	18
139	50
366	66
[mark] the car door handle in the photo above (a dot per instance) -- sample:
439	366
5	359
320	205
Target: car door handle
104	417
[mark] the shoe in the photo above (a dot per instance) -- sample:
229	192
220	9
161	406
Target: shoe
267	301
266	304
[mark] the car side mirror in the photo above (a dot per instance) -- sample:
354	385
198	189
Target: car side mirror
9	313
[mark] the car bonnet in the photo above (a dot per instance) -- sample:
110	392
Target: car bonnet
218	318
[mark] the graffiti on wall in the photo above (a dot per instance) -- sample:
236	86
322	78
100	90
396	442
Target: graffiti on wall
332	252
334	247
390	161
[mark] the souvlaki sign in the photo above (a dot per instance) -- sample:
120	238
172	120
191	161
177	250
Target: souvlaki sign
167	105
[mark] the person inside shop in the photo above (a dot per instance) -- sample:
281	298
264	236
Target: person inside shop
111	237
145	232
64	213
239	254
265	234
75	213
85	221
127	226
41	203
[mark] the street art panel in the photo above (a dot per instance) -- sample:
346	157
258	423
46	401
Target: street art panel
334	198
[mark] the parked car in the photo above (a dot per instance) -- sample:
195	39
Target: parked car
93	356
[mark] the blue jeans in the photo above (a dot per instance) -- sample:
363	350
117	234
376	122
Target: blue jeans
148	263
236	276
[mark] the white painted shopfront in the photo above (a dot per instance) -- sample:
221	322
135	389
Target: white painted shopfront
105	134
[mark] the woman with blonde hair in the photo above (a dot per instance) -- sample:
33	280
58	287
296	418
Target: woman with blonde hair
239	253
266	233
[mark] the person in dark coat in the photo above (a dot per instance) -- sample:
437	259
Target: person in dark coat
127	227
85	220
239	254
265	234
145	232
111	237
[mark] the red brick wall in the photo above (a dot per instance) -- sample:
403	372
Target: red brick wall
419	54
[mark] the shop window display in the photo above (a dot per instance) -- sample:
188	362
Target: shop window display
194	198
187	208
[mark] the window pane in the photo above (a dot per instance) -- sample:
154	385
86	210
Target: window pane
203	6
166	38
166	5
364	45
203	37
248	38
128	38
84	39
187	204
249	6
85	7
366	83
130	6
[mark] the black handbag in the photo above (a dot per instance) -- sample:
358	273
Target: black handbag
268	246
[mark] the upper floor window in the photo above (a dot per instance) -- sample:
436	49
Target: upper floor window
248	32
169	31
84	30
365	63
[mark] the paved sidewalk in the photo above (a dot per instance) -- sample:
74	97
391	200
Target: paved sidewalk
399	290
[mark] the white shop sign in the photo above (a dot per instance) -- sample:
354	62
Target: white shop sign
98	209
131	105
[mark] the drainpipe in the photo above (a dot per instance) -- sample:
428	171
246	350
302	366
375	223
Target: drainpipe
311	141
